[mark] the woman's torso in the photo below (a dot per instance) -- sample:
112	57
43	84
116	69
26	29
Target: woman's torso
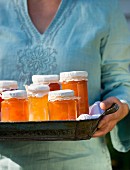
73	41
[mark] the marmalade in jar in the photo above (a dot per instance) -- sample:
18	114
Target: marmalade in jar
62	105
38	102
14	108
6	85
77	81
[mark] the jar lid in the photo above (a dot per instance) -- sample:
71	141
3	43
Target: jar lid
73	76
38	88
38	79
60	94
20	94
8	85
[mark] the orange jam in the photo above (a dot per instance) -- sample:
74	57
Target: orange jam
38	102
77	81
6	85
51	80
62	105
14	108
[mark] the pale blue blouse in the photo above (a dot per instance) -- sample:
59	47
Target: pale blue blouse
89	35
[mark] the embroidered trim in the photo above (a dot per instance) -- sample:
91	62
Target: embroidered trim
22	21
35	61
61	21
48	36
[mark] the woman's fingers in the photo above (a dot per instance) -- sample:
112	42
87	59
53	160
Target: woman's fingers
105	126
108	102
108	122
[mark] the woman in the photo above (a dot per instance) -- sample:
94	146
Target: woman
49	37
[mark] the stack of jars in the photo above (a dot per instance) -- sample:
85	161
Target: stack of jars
49	97
6	85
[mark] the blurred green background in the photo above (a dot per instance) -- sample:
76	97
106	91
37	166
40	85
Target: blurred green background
120	161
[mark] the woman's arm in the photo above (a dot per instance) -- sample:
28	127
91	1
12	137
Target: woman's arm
115	69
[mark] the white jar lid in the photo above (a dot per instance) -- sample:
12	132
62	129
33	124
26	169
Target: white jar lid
60	95
38	79
20	94
73	76
38	88
8	85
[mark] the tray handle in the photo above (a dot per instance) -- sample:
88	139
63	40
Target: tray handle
114	107
111	109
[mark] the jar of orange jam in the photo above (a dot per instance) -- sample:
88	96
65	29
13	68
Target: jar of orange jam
62	105
14	108
51	80
6	85
77	81
38	102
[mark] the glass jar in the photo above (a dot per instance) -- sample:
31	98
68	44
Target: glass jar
6	85
62	105
14	108
51	80
77	81
38	102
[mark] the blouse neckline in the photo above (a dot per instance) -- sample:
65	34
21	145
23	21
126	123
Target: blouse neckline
30	25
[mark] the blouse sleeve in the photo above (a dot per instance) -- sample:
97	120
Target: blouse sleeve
115	69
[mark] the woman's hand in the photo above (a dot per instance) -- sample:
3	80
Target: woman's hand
109	121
